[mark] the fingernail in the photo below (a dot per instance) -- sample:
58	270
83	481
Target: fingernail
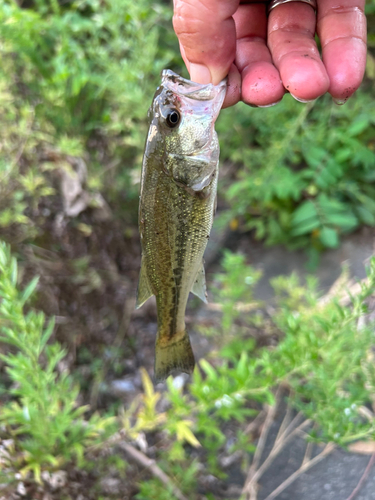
199	73
270	105
339	102
302	100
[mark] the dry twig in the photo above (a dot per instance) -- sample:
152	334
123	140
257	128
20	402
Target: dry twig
152	467
363	478
306	465
286	421
250	485
256	423
287	431
308	453
277	447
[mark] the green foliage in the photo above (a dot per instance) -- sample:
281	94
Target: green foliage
325	359
81	56
78	78
154	489
20	189
306	172
81	74
322	356
43	419
236	285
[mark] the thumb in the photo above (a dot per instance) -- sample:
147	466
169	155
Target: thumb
207	36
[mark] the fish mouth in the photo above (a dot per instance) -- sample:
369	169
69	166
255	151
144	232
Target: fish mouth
187	88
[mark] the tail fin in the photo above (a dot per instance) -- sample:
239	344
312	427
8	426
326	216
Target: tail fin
174	355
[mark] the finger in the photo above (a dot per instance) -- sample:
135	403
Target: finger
342	32
233	94
206	31
261	83
291	32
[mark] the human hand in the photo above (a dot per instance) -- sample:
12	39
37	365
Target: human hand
266	56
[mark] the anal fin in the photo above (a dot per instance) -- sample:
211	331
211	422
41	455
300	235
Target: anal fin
199	285
144	291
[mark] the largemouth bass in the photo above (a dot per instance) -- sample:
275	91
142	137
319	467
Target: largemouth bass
177	203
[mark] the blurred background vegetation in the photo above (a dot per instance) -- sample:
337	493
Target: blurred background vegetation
76	81
78	77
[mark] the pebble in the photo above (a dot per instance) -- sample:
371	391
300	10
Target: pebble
122	386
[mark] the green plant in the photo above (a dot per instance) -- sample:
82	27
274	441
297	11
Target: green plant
76	79
306	173
326	359
46	424
88	73
21	189
321	357
236	284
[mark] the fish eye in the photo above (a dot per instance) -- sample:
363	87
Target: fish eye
173	118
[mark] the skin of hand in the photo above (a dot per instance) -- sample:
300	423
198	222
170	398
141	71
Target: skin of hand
266	55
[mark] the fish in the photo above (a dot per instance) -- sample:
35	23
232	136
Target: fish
176	209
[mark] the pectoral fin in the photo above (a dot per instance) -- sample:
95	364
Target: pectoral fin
199	286
144	290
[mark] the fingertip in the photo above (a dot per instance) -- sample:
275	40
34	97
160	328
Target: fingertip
304	77
207	36
218	74
261	84
345	72
304	101
200	73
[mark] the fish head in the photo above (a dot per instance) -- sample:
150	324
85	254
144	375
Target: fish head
183	114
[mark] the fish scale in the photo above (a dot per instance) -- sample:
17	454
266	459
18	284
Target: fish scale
177	202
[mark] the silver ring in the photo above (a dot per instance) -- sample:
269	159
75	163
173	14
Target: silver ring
275	3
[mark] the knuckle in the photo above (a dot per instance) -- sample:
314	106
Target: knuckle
187	25
185	28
